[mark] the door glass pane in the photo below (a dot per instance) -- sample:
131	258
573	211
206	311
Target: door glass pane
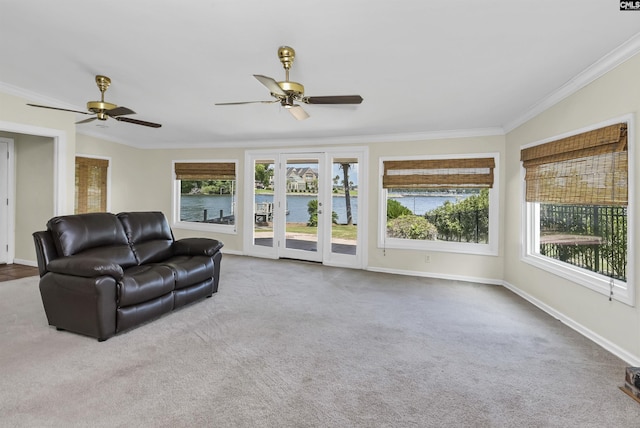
302	206
344	206
263	203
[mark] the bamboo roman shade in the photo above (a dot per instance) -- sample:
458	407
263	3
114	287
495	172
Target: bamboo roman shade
205	171
91	185
584	169
438	173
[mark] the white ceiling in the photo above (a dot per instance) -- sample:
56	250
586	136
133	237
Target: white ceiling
423	67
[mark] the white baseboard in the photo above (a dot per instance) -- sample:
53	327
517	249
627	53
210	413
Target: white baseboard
232	252
436	275
623	354
25	262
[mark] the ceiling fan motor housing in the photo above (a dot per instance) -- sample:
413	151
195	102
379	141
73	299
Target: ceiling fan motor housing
293	88
99	107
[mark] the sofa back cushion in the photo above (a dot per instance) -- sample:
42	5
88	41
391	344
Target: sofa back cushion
95	234
149	235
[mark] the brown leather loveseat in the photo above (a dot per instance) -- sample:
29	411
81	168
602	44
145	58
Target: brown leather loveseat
102	273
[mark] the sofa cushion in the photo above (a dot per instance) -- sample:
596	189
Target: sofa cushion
190	270
149	234
142	283
98	235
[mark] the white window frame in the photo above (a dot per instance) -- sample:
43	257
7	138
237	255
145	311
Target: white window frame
530	241
490	249
230	229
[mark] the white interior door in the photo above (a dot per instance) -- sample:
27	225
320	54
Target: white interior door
4	197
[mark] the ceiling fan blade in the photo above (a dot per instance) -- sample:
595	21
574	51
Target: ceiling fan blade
335	99
119	111
298	112
137	122
246	102
271	84
57	108
91	119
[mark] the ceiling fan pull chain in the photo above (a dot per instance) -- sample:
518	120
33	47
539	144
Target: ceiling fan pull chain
610	289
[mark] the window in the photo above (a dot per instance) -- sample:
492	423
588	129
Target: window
576	189
206	194
441	203
91	185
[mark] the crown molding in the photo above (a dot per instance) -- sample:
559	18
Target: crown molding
35	97
322	141
605	64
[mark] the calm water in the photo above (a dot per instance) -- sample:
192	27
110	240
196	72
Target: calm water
193	206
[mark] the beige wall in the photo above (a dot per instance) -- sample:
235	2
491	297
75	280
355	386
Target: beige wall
34	191
141	179
36	174
472	267
613	95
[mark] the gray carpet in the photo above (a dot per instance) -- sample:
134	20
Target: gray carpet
294	344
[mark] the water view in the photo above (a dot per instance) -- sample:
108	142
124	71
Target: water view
194	206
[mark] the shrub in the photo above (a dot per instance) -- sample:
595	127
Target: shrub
312	209
395	209
411	227
466	220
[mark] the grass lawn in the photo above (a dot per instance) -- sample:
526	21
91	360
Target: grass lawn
338	231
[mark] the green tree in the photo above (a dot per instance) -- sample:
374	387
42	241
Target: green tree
263	174
347	195
186	186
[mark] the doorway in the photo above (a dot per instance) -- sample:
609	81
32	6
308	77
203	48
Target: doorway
306	205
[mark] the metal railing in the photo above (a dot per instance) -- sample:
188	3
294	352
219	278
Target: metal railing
587	236
463	226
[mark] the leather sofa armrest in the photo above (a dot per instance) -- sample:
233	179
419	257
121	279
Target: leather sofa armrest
45	250
88	267
197	247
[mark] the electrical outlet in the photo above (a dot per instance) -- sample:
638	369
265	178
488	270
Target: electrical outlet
427	258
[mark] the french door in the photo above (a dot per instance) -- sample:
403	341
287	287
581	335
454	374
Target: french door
299	207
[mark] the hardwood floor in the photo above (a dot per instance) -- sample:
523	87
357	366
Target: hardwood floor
14	271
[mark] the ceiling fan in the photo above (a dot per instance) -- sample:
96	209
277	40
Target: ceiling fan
104	110
287	93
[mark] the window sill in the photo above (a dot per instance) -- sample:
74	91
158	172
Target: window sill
440	246
229	229
622	291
